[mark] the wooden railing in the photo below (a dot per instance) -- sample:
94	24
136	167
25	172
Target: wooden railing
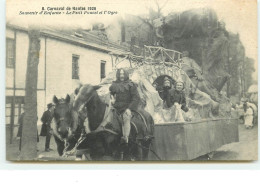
160	54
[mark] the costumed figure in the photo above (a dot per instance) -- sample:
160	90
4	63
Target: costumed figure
125	98
167	85
176	95
176	98
248	115
241	110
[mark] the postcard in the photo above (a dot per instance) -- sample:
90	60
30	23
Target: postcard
134	80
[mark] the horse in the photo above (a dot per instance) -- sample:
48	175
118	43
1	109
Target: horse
65	127
106	130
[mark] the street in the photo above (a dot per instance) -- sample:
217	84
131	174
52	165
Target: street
245	149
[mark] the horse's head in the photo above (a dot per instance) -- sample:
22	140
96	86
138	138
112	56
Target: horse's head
62	116
84	95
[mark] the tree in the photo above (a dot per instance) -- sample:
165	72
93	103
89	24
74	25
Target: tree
236	58
160	7
29	130
248	71
152	20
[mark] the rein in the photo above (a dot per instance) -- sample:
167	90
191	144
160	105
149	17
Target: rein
100	128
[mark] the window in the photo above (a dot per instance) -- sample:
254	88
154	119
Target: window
9	53
103	69
16	107
75	67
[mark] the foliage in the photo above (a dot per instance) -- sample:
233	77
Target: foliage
219	53
248	71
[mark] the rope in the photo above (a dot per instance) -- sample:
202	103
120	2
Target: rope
71	152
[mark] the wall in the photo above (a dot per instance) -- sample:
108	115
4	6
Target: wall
22	46
56	57
59	80
9	71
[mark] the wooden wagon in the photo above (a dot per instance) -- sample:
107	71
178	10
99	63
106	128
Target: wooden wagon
189	140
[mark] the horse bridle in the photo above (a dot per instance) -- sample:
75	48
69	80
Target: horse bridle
66	144
61	119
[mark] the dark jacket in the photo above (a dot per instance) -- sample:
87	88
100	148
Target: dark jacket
176	96
127	96
47	117
164	94
46	122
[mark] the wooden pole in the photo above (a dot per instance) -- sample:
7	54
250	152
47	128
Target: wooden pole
45	68
29	130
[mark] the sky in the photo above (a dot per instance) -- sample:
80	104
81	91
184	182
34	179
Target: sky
240	16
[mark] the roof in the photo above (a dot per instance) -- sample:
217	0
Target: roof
89	41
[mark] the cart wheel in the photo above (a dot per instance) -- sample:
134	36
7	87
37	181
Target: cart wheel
211	155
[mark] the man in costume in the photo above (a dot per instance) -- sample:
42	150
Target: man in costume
126	98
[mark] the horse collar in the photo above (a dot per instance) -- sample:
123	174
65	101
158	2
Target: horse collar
104	122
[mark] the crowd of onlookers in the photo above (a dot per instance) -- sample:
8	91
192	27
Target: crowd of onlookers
247	113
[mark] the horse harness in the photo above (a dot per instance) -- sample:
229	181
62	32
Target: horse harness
105	121
102	126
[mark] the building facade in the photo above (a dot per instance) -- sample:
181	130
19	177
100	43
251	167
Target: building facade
65	61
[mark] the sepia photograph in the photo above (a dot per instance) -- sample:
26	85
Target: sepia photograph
130	81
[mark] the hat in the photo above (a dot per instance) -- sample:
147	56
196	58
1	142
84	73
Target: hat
49	105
